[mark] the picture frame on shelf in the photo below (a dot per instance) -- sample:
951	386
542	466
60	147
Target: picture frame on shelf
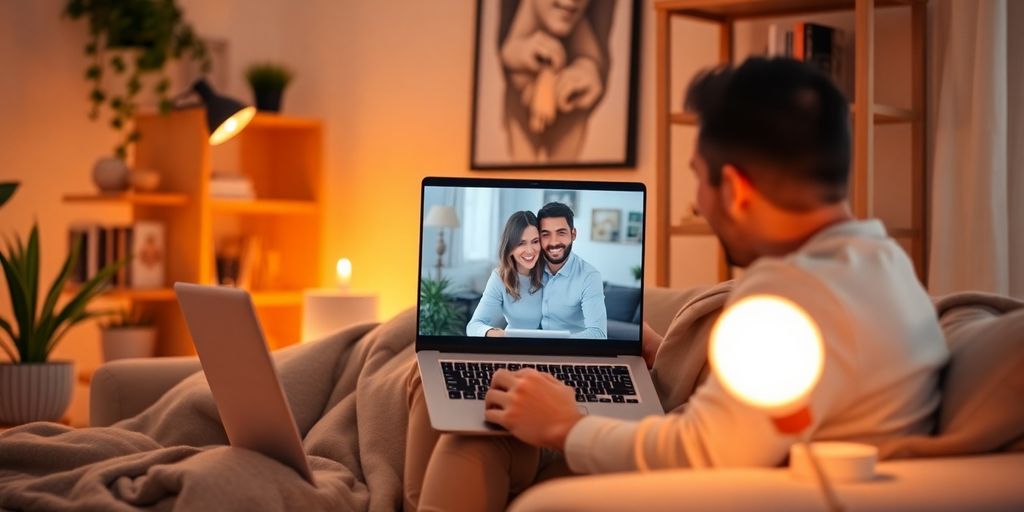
605	224
574	108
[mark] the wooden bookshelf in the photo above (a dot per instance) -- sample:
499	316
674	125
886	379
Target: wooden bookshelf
281	155
723	14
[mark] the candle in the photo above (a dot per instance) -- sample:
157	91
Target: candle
344	269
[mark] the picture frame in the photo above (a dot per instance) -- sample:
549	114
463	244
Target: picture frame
535	107
605	224
634	232
569	198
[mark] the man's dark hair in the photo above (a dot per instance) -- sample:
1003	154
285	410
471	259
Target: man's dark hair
781	122
554	211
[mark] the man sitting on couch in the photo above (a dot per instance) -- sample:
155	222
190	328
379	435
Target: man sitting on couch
772	165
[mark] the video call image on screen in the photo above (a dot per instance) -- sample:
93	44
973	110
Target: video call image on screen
503	262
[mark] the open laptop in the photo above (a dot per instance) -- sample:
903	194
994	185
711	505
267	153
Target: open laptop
608	373
245	386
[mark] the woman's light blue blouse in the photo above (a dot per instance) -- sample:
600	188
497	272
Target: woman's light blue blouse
497	307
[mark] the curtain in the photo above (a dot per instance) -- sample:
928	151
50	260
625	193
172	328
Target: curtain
480	224
971	171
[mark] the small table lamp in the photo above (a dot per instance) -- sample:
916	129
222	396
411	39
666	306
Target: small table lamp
768	353
441	216
225	117
326	311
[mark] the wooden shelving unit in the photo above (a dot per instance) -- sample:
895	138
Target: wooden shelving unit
723	14
281	155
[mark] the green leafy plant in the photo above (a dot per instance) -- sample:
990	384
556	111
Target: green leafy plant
153	27
129	318
38	330
638	272
438	314
7	190
268	76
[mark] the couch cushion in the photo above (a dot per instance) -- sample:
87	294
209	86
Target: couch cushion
983	387
621	302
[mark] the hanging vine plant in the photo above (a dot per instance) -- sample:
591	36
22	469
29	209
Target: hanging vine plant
154	32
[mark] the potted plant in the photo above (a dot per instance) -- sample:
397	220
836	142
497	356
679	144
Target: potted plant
438	314
130	40
128	334
638	272
268	82
35	388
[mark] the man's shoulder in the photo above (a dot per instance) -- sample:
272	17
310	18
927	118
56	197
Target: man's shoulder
584	268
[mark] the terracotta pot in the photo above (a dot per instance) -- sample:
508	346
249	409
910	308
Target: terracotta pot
35	392
128	342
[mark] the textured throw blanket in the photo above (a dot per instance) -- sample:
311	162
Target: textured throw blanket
347	393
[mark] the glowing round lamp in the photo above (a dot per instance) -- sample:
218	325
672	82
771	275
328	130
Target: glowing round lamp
768	353
225	117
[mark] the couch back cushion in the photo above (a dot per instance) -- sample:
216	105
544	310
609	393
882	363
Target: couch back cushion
621	302
982	389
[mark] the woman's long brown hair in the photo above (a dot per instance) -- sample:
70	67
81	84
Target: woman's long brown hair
510	237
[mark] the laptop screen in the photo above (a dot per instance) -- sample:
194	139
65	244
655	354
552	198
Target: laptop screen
528	266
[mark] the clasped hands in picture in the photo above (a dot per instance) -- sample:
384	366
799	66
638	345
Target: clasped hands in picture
533	406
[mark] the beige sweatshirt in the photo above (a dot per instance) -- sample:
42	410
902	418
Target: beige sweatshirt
883	353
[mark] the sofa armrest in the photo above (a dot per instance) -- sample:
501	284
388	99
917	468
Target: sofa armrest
984	482
123	388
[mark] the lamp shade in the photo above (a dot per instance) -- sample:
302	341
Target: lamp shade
441	216
225	116
767	352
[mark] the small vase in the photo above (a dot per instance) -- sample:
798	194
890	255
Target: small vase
128	342
35	391
268	100
110	175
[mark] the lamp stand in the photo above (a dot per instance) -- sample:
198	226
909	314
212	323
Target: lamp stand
831	500
440	251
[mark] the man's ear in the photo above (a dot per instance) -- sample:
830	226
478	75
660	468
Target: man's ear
736	192
573	234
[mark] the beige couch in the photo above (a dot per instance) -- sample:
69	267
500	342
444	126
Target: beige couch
975	463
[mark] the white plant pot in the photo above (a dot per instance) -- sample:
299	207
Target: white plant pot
110	175
129	342
35	392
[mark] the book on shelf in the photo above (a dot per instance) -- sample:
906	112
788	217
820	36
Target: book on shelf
102	245
231	186
239	262
829	49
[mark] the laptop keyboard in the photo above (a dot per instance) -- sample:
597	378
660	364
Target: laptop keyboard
608	383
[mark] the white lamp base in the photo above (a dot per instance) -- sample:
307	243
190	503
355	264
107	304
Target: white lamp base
841	462
325	312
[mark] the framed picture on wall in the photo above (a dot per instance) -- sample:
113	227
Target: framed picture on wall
566	197
605	224
555	86
634	228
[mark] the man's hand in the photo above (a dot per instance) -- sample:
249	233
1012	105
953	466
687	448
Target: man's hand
578	86
495	333
535	407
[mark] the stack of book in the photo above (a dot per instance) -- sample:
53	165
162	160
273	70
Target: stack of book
141	243
829	49
232	186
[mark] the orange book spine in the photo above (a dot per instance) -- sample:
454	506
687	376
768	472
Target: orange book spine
798	41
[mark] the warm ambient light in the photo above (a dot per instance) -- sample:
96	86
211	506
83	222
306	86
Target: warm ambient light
232	126
768	352
344	269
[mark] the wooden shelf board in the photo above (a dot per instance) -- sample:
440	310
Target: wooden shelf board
144	295
263	206
903	232
148	199
884	114
691	227
264	120
724	10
